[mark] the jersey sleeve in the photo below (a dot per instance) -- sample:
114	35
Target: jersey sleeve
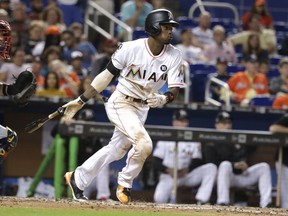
119	57
176	73
197	151
159	150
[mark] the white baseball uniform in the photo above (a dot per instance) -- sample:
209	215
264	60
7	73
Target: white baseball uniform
141	74
204	175
284	185
257	174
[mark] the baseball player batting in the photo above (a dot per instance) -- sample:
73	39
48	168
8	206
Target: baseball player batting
143	67
20	91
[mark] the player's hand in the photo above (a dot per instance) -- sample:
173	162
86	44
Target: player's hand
242	165
72	108
156	100
183	172
169	171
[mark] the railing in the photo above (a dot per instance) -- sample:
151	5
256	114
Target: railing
201	5
224	85
94	10
186	69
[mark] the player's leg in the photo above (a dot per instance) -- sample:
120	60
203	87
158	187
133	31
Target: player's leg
102	184
224	181
259	173
284	185
82	177
129	118
205	176
8	141
163	189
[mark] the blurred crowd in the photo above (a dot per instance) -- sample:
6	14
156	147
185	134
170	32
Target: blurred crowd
49	38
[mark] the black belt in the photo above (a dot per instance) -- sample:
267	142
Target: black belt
137	100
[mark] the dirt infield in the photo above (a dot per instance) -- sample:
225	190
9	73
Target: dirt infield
137	207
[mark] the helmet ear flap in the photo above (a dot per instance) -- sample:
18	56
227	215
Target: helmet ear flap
156	29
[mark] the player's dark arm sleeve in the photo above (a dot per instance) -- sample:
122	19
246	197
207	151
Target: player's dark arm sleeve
210	155
115	71
195	163
158	164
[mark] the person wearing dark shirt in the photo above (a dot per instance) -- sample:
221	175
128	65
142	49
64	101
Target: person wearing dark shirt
281	126
233	166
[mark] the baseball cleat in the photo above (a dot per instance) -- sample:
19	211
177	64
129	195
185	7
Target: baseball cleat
123	194
76	192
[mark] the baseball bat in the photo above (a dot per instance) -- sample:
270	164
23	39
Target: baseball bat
33	126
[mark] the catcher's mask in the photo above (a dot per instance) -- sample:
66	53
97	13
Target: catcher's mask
5	39
157	17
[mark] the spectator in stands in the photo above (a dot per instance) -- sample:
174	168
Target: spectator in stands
10	70
133	13
190	53
246	84
77	29
52	15
279	84
221	74
5	4
50	54
73	11
70	44
19	20
260	9
68	80
76	64
4	15
203	35
267	36
35	37
219	47
191	170
281	102
254	48
281	126
52	38
233	166
36	67
264	68
36	9
51	86
16	41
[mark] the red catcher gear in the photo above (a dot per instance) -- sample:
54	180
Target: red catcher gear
5	39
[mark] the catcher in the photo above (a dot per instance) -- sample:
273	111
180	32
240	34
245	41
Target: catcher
20	91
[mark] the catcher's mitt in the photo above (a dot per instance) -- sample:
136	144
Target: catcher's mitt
24	86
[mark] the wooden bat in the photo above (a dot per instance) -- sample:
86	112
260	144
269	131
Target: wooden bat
33	126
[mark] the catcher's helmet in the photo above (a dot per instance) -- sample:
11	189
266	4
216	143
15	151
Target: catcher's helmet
5	39
157	17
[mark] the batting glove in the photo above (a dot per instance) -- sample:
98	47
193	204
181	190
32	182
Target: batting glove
156	100
72	108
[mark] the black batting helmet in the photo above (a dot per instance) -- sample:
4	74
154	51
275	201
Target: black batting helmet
157	17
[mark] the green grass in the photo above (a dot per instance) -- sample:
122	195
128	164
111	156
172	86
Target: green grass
87	212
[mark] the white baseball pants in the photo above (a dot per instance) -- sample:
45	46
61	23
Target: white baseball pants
284	185
128	118
204	175
257	174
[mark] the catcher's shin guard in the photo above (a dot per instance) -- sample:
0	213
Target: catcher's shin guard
23	88
8	143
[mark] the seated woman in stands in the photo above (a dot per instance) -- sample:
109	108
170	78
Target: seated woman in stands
260	9
254	48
